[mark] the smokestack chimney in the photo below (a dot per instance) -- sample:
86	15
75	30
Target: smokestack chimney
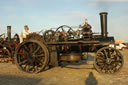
9	33
103	19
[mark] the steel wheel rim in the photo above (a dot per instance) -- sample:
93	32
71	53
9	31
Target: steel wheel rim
31	61
109	65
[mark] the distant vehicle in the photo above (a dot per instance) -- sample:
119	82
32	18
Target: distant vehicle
121	46
126	45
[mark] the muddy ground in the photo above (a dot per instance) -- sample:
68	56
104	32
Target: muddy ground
83	75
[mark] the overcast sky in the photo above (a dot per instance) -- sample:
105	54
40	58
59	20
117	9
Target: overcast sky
46	14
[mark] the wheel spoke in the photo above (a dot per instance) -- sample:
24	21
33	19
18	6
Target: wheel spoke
109	52
25	66
113	53
41	55
23	62
31	68
101	54
26	48
34	46
101	58
105	53
20	53
31	48
38	61
38	48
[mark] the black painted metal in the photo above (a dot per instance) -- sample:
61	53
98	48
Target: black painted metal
9	33
103	18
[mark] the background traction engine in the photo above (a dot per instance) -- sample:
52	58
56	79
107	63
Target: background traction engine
67	45
8	46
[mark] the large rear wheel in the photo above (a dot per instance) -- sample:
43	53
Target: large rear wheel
31	56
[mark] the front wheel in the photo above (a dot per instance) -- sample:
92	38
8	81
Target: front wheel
108	60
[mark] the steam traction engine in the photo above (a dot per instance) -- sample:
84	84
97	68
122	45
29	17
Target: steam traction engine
68	45
7	46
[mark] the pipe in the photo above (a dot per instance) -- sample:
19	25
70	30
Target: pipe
9	33
103	19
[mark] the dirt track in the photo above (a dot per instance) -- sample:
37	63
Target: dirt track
11	75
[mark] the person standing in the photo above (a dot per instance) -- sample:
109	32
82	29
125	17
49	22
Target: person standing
86	30
86	25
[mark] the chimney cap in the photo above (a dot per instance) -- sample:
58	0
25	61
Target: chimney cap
103	13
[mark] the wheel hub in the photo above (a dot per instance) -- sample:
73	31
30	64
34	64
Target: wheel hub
108	60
